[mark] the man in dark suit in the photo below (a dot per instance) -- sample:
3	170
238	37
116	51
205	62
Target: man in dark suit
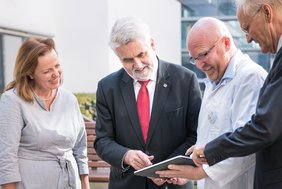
173	100
262	23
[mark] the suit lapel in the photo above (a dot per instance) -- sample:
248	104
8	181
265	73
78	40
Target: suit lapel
163	86
127	91
277	64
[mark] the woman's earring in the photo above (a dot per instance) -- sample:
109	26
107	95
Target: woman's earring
30	76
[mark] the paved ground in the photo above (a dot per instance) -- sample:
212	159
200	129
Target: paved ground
98	185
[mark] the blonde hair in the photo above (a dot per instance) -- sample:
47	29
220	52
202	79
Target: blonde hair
26	63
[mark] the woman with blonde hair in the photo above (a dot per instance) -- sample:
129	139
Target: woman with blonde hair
42	135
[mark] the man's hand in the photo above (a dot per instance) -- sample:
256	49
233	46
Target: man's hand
137	159
177	181
184	172
198	155
158	181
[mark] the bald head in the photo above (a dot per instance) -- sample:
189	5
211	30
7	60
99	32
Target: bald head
211	46
207	29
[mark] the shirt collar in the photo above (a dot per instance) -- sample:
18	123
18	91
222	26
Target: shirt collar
279	44
230	70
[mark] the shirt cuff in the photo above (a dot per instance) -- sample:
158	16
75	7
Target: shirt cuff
124	169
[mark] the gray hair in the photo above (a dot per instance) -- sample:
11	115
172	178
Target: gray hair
128	29
249	7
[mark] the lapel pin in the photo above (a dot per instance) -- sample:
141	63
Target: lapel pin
165	85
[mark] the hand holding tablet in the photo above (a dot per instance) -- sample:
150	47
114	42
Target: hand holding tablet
163	165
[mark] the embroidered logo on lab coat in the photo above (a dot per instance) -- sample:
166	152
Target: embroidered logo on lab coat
212	117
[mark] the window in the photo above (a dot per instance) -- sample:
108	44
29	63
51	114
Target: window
9	46
1	66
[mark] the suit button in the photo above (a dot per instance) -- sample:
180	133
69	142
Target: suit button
147	152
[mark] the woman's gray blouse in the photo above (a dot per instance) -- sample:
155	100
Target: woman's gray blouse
39	148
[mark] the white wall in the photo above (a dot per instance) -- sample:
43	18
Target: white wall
81	30
35	16
81	37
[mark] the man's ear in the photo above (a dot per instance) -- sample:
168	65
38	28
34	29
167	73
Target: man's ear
268	12
153	44
227	43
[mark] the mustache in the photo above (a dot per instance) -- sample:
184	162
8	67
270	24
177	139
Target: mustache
142	68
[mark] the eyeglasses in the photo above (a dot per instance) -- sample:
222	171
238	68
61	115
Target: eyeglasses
202	55
247	28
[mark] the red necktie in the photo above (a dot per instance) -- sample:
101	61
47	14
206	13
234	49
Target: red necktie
143	108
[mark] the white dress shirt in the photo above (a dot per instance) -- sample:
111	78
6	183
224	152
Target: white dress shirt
279	44
151	85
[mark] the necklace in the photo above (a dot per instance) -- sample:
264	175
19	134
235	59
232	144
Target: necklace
45	99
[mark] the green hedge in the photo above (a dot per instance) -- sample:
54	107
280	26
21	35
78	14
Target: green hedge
87	104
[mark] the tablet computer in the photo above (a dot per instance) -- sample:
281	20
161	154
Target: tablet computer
150	170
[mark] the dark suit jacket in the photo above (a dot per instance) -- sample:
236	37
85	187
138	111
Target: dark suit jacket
173	122
263	134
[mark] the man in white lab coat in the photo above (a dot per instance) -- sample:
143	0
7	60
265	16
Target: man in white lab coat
232	89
